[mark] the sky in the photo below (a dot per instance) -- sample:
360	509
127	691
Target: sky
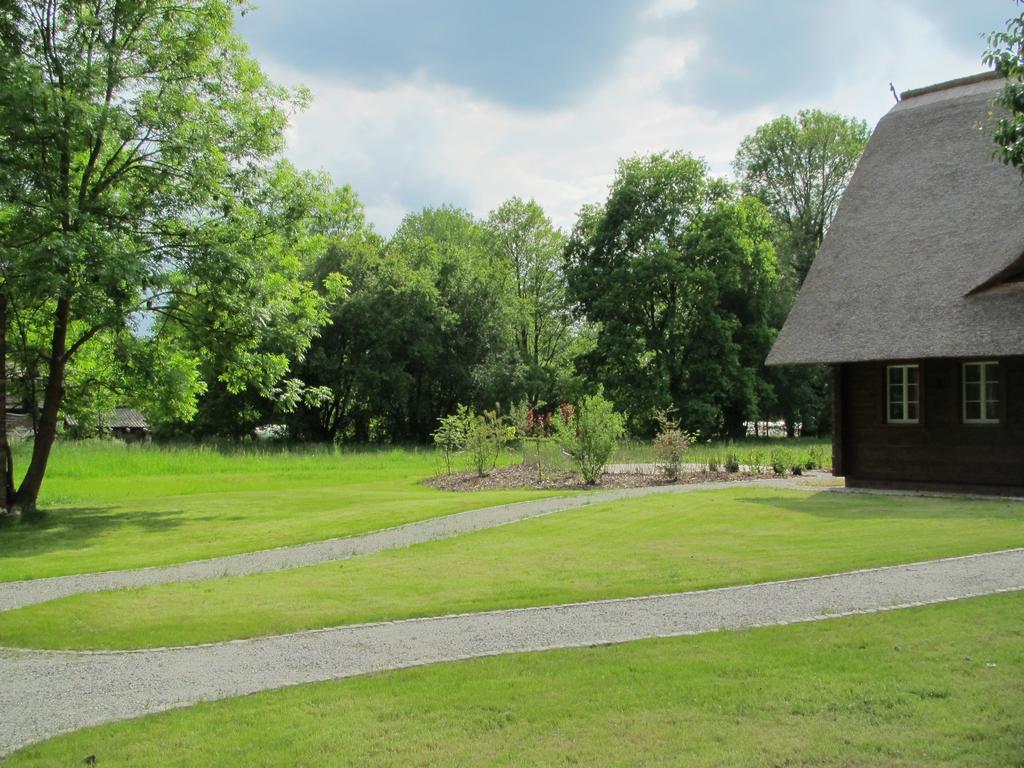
469	102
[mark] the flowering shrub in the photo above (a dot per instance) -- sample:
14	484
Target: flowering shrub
537	423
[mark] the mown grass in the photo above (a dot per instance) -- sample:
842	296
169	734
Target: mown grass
931	687
632	547
109	506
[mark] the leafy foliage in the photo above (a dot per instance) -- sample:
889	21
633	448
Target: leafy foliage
450	435
528	248
670	445
799	167
589	434
676	272
486	436
1006	55
140	207
481	436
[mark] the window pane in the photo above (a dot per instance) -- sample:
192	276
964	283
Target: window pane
972	411
912	412
992	391
972	373
896	411
912	393
972	392
912	374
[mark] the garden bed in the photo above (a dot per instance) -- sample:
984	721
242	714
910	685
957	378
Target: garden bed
526	476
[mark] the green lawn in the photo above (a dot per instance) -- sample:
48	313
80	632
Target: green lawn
109	506
939	686
633	547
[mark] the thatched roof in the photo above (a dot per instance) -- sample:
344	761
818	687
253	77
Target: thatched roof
926	253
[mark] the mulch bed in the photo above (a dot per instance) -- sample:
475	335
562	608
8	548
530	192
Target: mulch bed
525	476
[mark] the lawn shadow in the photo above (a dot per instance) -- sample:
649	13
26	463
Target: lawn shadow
62	528
843	505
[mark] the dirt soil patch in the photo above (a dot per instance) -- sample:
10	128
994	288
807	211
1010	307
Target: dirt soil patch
526	476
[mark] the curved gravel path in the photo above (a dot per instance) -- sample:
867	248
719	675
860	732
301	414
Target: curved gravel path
18	594
47	693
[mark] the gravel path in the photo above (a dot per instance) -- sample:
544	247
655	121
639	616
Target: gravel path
17	594
46	693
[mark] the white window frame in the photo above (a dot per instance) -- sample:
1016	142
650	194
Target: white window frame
906	401
986	417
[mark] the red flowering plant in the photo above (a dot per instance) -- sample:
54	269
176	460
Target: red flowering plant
539	450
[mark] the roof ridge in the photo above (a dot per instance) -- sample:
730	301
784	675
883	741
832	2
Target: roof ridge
947	85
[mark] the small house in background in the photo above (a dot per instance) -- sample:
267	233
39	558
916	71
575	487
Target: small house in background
124	423
19	425
916	301
127	424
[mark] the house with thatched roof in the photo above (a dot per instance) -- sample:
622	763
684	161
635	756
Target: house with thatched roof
916	301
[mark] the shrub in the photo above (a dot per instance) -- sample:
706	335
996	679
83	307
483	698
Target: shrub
480	435
732	463
589	434
486	435
778	463
797	470
670	445
713	464
450	436
757	463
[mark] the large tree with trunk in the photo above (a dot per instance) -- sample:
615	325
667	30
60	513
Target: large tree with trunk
139	201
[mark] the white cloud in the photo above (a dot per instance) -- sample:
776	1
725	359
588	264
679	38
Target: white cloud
420	142
660	9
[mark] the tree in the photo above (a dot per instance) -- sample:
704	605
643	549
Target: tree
529	247
426	326
136	138
799	167
390	327
1006	55
675	271
303	215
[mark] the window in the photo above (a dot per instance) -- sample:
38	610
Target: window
903	394
981	393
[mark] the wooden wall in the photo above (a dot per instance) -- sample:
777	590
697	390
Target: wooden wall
939	452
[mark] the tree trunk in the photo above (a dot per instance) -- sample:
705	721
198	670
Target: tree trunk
28	492
6	464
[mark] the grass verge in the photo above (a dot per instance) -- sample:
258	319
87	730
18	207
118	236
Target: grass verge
938	686
634	547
